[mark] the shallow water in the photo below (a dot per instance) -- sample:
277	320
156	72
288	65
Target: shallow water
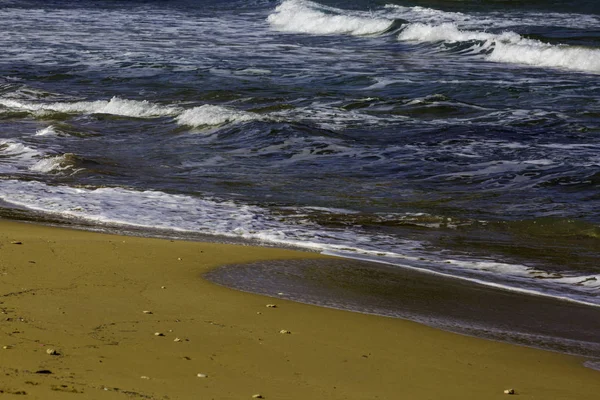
456	137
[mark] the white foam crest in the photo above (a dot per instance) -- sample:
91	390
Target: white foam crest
58	163
508	47
15	156
115	106
478	20
301	16
205	115
214	115
449	32
47	131
545	55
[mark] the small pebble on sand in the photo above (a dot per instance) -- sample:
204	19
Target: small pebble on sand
285	332
257	396
509	391
271	305
163	287
144	377
202	376
147	312
159	334
16	242
52	352
7	347
177	339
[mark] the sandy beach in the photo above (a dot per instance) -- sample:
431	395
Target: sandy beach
97	316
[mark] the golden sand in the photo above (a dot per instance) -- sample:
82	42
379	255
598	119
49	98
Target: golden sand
99	301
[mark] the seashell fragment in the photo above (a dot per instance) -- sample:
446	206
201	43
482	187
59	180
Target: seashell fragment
509	391
52	352
271	305
177	339
285	332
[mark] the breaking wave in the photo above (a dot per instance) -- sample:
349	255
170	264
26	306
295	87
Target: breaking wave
198	116
56	164
214	115
301	16
507	47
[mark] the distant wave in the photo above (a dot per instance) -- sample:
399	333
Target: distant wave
303	16
508	47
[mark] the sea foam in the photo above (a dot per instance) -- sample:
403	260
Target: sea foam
301	16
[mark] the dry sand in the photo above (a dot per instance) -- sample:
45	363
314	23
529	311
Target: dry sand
84	295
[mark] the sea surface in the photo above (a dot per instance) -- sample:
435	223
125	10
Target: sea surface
458	137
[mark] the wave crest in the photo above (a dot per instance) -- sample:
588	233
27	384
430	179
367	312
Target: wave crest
507	47
302	16
213	115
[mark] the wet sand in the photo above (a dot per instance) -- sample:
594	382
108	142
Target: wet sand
84	294
451	304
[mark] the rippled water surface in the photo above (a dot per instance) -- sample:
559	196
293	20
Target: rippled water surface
458	137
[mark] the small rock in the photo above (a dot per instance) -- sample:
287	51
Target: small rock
202	376
163	287
177	339
16	242
7	347
52	352
271	305
257	396
285	332
509	391
179	259
147	312
258	313
43	372
144	377
159	334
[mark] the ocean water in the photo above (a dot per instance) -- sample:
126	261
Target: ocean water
458	137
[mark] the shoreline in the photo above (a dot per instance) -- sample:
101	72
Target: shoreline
451	304
84	294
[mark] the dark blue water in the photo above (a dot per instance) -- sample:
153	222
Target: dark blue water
458	137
